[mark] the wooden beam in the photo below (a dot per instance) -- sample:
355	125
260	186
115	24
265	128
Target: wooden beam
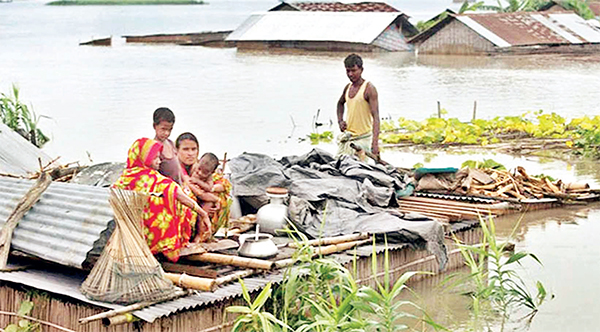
26	203
192	270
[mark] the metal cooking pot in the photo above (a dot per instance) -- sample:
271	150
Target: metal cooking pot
257	245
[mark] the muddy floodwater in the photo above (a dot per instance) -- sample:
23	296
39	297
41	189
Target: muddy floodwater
97	100
564	239
100	99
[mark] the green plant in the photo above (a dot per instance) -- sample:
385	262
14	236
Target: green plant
24	325
384	301
20	118
497	286
581	7
516	6
486	163
251	317
318	294
326	136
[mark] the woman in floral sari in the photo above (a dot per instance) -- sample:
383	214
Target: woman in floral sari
170	216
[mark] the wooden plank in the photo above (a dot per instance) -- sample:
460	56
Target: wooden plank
449	216
192	270
245	262
26	203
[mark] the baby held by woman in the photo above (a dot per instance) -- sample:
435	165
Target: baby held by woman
201	182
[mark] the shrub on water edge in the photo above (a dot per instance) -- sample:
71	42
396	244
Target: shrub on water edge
498	288
20	118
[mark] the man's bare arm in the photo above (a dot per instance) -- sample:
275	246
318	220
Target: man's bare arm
340	111
373	100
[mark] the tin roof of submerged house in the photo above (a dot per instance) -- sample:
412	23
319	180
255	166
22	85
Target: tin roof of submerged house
66	282
522	28
349	27
63	226
336	7
17	155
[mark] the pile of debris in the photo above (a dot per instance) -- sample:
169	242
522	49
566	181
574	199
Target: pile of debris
502	184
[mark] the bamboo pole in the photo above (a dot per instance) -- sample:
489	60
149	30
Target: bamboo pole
323	251
26	203
251	263
191	282
119	320
130	308
235	276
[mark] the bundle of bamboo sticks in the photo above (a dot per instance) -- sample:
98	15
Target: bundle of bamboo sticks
127	272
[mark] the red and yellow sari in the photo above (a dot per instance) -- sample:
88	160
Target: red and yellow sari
168	224
221	217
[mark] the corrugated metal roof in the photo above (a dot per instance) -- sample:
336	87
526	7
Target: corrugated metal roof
531	28
17	155
457	197
554	27
63	225
313	26
344	7
67	283
578	25
481	30
517	29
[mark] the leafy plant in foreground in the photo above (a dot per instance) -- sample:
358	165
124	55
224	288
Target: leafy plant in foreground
24	325
252	318
384	301
497	286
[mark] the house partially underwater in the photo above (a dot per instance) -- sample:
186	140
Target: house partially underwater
325	31
512	33
334	7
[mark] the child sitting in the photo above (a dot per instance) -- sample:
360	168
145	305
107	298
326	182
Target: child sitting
211	189
164	119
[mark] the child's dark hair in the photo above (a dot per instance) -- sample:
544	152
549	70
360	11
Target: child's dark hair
185	136
211	158
163	114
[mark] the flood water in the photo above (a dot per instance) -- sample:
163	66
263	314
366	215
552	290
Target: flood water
100	99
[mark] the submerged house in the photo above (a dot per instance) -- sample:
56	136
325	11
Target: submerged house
335	7
325	31
515	33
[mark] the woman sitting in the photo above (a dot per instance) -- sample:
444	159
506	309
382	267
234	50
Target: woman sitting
217	184
170	216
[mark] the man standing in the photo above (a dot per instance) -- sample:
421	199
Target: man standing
361	126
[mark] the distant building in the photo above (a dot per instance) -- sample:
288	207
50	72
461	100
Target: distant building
325	31
335	7
522	32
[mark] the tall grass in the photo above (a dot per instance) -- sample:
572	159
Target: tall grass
321	295
20	118
498	289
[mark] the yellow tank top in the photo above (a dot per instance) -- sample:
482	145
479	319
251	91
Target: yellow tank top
360	119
